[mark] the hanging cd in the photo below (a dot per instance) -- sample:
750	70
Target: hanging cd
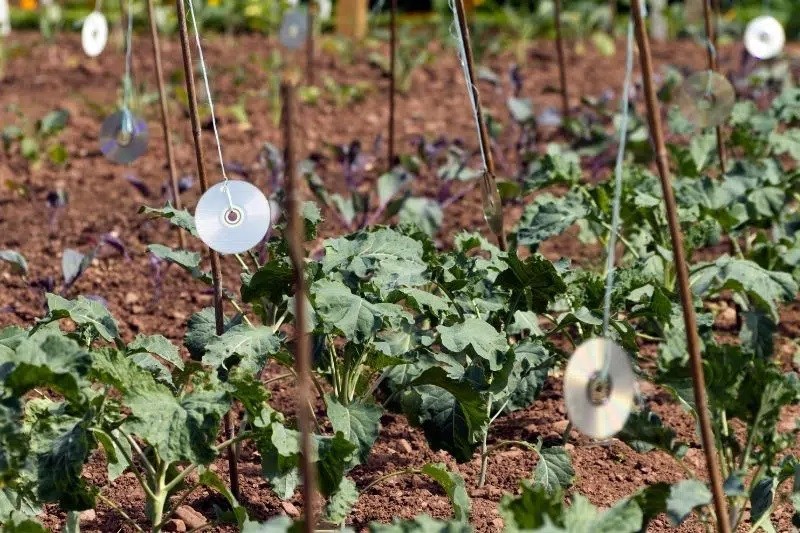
706	99
5	18
596	407
764	37
293	29
94	34
232	217
325	9
123	137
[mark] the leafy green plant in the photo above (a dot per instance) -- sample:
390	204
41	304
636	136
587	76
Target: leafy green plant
34	140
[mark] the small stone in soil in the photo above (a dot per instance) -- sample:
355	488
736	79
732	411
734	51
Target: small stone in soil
190	517
175	525
404	446
290	509
560	426
89	515
497	523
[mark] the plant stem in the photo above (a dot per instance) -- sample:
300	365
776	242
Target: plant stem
278	378
242	263
139	478
159	500
177	504
122	513
484	448
407	471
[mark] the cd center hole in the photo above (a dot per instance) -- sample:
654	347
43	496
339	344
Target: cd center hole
765	37
124	138
233	216
599	390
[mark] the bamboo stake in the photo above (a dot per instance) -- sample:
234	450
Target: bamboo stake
302	341
392	62
491	199
216	271
682	271
711	48
165	122
562	68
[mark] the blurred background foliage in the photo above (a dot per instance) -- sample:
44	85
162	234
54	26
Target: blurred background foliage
531	18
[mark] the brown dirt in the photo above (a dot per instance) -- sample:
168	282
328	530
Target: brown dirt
43	77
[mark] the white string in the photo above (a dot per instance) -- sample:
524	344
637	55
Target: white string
98	4
210	100
471	88
127	83
611	254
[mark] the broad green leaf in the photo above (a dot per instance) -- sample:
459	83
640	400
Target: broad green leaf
359	422
758	333
533	283
114	448
18	523
534	509
46	360
214	482
73	264
272	281
252	345
16	260
157	345
350	314
425	213
525	322
763	287
201	330
385	257
189	261
453	485
532	363
84	312
548	216
335	455
60	445
53	122
177	217
420	300
477	334
684	497
521	109
342	501
644	432
554	469
452	413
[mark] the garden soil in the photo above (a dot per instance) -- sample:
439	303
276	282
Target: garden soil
40	78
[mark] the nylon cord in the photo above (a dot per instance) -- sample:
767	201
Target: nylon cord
611	253
127	83
204	70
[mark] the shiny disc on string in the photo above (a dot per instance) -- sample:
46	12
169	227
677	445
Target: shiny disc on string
232	217
94	34
5	18
706	99
764	37
294	28
325	9
597	407
123	137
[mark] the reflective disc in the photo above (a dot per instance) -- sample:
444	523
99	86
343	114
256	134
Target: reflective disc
294	28
232	217
706	99
599	409
325	9
5	18
94	34
764	37
123	137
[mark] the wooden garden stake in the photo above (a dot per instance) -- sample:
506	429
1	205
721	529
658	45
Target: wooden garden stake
711	48
310	44
216	272
392	88
562	68
165	122
682	271
302	341
351	18
492	207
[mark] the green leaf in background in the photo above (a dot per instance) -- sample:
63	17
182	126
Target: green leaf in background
189	261
201	331
485	341
358	421
252	345
425	213
684	497
16	260
453	485
342	501
548	216
533	283
554	470
157	345
74	264
272	281
420	524
335	455
177	217
84	312
53	122
644	431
